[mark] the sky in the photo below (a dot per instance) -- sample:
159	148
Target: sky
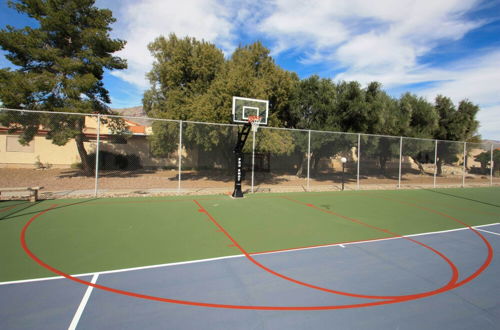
426	47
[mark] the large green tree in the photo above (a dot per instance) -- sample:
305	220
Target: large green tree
455	124
182	72
59	66
191	80
485	159
314	105
382	117
422	116
371	110
252	72
423	122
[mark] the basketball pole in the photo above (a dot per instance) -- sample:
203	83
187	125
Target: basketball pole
343	160
98	142
253	158
238	160
251	113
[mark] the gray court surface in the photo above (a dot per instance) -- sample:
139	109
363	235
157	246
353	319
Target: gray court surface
380	268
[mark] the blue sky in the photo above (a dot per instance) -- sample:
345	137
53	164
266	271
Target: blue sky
428	47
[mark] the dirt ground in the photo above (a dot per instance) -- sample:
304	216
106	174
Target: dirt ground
72	183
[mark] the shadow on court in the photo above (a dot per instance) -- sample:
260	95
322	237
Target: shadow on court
461	197
16	209
19	212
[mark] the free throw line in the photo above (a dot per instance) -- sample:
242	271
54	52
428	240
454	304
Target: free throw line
83	303
489	232
242	255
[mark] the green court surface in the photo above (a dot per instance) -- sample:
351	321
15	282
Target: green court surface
93	235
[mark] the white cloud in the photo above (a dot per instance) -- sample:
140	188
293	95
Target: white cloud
373	41
140	22
476	79
379	40
383	40
489	117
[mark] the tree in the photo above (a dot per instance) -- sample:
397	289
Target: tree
455	125
385	118
372	111
192	81
59	67
250	72
485	159
422	115
423	122
183	70
313	105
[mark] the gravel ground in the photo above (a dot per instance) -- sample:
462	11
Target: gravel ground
69	182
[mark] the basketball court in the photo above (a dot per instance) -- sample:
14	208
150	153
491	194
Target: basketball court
374	259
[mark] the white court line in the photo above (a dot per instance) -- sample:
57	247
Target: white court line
378	240
83	303
240	256
123	269
489	232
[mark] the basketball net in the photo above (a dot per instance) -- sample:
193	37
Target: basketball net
254	121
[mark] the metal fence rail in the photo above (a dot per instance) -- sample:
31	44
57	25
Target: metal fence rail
162	156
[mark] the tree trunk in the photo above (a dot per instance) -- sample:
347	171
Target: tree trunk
303	163
439	164
382	160
79	139
314	164
420	166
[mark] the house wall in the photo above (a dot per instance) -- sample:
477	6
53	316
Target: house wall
44	151
139	146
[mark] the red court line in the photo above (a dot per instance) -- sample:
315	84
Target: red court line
202	304
485	241
175	301
455	270
485	264
452	281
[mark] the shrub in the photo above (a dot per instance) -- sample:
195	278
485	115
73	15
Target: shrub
111	161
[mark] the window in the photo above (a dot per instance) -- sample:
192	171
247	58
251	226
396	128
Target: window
13	145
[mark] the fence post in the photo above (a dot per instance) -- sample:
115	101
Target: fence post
400	159
359	159
465	161
435	161
308	157
491	166
253	159
180	157
98	140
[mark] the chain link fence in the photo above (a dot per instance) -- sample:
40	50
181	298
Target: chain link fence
120	155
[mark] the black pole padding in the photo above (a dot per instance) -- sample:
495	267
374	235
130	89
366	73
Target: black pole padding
238	160
238	175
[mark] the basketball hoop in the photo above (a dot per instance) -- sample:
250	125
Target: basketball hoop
255	122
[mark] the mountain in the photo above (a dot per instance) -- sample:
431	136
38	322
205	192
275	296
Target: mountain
134	112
